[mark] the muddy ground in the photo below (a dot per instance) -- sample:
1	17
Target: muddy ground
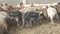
42	29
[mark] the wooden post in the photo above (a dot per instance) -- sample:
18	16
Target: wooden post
24	2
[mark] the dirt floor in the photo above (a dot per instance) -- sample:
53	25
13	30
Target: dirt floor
42	29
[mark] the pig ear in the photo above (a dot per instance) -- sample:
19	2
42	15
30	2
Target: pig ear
58	3
36	9
21	3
